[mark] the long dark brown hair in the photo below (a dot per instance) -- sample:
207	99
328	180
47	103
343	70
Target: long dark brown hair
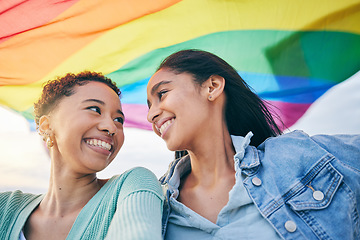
244	109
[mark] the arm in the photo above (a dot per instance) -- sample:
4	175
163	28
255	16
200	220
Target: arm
139	208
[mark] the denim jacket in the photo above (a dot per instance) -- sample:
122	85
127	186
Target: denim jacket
306	187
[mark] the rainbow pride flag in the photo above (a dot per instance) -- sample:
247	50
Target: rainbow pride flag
290	52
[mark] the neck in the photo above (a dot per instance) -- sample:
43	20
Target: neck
68	193
213	161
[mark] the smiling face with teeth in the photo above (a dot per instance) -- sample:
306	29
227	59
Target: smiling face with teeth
80	124
178	109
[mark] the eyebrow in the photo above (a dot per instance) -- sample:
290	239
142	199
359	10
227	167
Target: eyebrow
102	103
156	86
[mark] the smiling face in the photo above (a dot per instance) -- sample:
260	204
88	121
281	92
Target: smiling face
178	109
80	124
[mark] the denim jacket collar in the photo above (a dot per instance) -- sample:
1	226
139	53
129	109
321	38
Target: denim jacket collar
243	150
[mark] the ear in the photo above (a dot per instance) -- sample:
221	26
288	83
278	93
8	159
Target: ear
44	124
215	87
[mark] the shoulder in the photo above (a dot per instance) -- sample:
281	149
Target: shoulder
140	174
324	140
299	145
15	199
339	143
12	204
297	155
287	139
299	140
139	179
290	148
344	148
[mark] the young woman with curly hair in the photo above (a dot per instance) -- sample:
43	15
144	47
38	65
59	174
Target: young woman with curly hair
81	120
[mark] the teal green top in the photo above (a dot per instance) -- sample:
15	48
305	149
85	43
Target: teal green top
128	206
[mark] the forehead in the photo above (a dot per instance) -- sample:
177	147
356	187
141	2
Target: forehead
94	90
159	76
99	87
165	76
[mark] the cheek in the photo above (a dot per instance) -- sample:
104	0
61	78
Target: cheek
155	130
121	139
119	142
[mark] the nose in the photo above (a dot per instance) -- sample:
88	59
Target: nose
107	124
153	113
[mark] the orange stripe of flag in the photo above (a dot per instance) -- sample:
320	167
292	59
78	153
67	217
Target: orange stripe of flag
52	43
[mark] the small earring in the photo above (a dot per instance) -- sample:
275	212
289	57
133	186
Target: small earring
49	142
210	97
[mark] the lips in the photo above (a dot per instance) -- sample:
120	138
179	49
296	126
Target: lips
99	143
164	126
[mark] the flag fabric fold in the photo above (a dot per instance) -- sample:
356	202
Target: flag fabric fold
289	52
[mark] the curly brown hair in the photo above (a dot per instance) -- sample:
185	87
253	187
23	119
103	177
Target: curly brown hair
60	87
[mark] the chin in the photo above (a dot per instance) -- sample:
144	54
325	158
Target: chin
99	168
173	147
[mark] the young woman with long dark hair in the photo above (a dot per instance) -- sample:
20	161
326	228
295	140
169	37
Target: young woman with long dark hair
240	177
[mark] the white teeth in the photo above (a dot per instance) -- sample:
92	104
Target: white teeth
165	125
99	143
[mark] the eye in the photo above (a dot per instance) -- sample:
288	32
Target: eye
119	119
161	93
95	109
